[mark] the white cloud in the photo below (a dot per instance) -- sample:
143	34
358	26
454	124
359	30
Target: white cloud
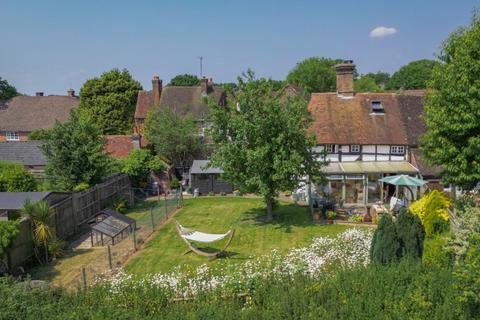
380	32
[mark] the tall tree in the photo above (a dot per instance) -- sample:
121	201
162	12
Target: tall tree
139	163
7	91
15	178
366	84
109	101
260	139
185	80
413	75
380	78
315	74
75	154
173	136
452	108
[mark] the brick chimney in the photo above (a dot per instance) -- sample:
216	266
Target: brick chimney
71	92
157	89
39	94
204	85
345	71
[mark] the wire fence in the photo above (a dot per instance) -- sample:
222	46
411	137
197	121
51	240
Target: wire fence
149	216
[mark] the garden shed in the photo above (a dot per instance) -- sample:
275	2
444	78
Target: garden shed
207	179
112	225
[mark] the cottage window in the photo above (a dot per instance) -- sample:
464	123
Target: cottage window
397	149
377	107
330	148
12	136
355	148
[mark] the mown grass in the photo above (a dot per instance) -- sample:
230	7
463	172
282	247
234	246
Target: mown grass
292	227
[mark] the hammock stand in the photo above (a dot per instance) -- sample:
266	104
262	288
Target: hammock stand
188	235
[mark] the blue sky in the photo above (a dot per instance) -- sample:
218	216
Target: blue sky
53	45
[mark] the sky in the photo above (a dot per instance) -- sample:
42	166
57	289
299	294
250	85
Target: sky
50	46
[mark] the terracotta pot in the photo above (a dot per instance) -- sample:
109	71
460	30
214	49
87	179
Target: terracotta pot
367	218
330	221
316	216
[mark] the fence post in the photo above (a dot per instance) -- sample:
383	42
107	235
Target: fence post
134	240
109	257
165	206
84	277
151	216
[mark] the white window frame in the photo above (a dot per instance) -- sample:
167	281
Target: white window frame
330	148
355	148
12	135
397	150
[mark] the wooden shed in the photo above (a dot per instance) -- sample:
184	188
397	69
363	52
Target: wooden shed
207	179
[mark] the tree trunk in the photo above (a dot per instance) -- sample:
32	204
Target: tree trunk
46	251
270	209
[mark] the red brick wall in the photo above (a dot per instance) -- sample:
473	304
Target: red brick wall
22	135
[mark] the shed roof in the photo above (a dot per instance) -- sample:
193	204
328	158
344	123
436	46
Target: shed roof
201	167
114	224
15	200
27	153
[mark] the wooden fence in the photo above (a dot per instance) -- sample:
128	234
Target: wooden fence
70	213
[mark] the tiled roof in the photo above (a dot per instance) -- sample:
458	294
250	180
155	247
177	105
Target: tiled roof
426	170
27	153
118	146
25	113
182	100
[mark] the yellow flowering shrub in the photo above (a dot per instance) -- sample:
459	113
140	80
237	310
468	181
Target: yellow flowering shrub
432	209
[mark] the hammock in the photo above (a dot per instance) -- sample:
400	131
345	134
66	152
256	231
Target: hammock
189	234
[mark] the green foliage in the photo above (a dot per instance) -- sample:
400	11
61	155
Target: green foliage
413	75
185	80
173	136
260	140
56	248
331	214
315	74
385	244
39	213
15	178
109	101
120	205
81	186
436	253
468	226
452	109
7	91
432	209
399	291
366	84
39	134
8	232
75	154
380	78
174	183
139	163
411	234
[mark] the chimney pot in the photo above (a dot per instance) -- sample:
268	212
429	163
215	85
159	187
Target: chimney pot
345	72
39	94
157	89
71	92
204	85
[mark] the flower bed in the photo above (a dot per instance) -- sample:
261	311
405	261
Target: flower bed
346	250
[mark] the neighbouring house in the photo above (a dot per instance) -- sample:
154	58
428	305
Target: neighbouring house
22	114
366	136
27	153
119	146
207	179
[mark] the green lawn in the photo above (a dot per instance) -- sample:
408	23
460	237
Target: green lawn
292	227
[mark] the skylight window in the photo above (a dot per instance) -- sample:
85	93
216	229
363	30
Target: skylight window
377	107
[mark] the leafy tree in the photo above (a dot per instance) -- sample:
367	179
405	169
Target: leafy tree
385	243
411	234
39	134
380	78
7	91
185	80
109	101
39	213
413	75
260	139
15	178
315	74
8	232
366	84
75	154
173	136
432	209
452	109
139	163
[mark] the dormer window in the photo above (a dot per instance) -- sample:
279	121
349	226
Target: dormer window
377	107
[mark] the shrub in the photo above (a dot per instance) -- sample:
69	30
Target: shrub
120	205
331	215
432	209
385	244
174	183
8	232
436	253
411	234
81	186
139	163
15	178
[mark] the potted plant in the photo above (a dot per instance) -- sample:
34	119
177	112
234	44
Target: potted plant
331	215
317	215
